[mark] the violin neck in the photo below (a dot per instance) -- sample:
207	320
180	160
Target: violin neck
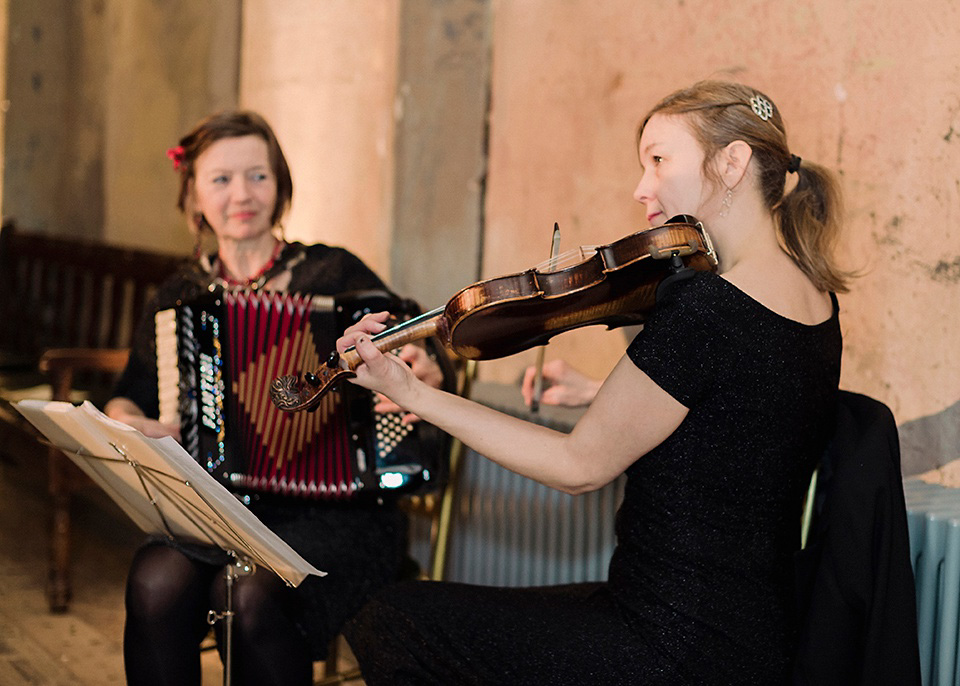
416	329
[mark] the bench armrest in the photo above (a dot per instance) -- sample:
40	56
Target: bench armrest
56	360
60	364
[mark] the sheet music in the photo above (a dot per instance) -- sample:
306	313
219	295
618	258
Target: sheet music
160	487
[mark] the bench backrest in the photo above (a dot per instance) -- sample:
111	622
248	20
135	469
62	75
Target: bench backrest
60	292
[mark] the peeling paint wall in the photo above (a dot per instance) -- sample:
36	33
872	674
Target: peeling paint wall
324	75
171	63
96	91
871	89
443	77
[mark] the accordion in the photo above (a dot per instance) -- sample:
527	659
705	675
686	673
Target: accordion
216	358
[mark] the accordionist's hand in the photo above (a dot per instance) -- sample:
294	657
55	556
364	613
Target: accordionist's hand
126	411
390	375
423	367
562	385
151	428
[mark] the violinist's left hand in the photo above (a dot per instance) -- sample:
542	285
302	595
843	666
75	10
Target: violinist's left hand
381	372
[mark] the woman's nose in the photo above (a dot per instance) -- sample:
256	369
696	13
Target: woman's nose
640	193
240	188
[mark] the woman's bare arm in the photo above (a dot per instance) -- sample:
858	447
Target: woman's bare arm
629	416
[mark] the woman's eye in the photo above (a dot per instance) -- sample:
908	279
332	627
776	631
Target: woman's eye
222	178
258	176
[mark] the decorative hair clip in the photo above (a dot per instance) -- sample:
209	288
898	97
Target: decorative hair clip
761	107
177	155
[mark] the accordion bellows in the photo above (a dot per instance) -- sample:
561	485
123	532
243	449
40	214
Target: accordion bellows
216	359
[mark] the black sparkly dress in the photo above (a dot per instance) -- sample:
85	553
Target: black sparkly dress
360	546
700	584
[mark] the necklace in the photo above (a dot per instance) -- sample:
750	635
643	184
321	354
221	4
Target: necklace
256	281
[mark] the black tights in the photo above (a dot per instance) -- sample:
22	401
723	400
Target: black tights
168	596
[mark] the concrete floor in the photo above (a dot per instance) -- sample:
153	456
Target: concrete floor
83	646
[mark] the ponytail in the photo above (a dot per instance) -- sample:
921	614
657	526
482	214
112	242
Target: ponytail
809	225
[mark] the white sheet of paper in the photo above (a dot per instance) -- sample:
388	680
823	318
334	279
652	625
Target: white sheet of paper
160	486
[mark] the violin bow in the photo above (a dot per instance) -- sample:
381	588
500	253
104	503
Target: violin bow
541	352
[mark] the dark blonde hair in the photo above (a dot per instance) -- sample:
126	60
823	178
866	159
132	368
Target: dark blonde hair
808	217
234	124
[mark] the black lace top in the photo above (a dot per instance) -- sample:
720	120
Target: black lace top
711	516
314	269
360	546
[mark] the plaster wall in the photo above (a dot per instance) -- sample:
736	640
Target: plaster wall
40	118
171	64
869	88
96	91
324	76
4	103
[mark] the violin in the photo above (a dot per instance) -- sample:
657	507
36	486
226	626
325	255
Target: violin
614	285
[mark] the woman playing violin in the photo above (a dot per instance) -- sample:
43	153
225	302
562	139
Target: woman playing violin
717	414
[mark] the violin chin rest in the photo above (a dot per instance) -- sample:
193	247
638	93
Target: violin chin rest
668	282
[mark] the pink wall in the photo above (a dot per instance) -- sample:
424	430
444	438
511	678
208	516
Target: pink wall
871	89
324	75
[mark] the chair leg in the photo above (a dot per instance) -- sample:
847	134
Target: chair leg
333	656
442	514
330	674
58	580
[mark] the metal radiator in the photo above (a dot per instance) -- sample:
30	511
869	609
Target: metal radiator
933	518
512	531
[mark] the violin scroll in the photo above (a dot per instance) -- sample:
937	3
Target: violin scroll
297	392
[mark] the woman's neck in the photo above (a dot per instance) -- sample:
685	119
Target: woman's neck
244	261
746	234
752	259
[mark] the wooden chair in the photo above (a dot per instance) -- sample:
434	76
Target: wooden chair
70	307
62	366
856	604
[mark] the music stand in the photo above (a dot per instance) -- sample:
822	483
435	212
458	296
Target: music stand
166	492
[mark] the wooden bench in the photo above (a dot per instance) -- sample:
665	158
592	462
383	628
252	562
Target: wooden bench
68	308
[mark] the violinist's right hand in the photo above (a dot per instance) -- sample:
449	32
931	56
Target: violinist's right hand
562	385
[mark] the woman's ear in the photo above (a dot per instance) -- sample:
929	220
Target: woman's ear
195	219
732	162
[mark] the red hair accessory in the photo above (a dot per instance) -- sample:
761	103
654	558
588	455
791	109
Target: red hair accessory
177	155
